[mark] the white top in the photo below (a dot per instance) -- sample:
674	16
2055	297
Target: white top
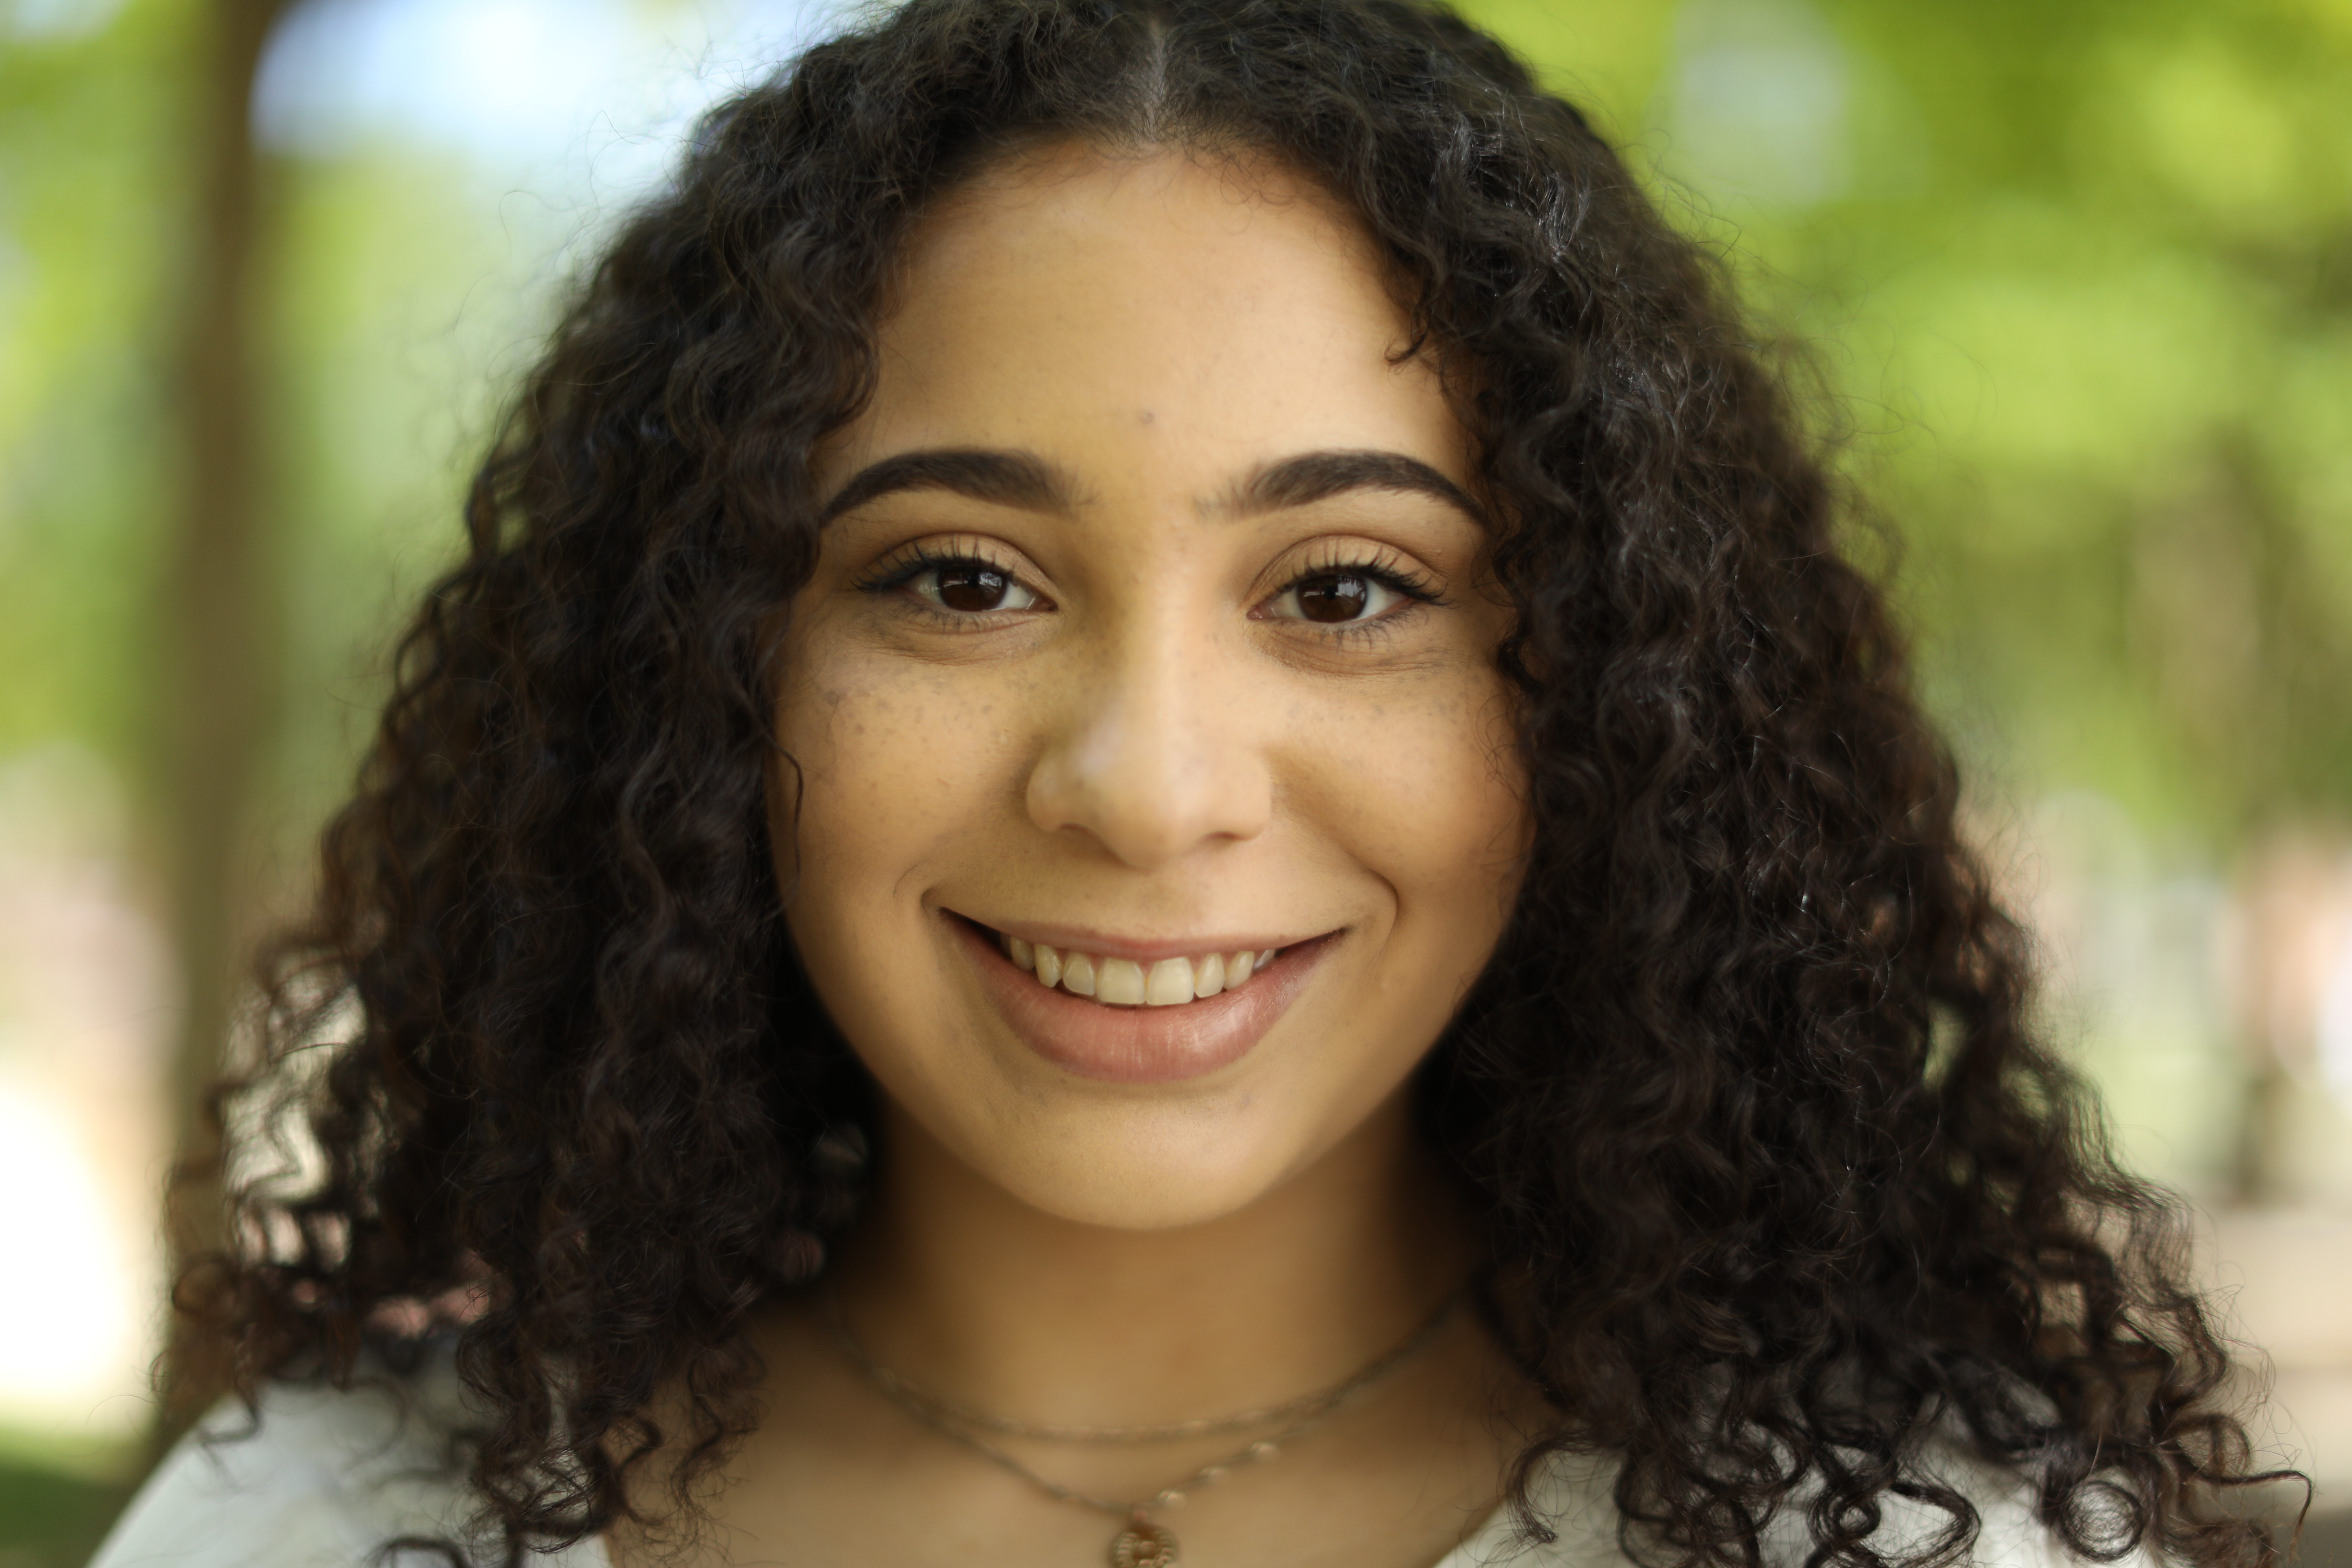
331	1477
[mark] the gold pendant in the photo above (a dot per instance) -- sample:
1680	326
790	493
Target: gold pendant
1144	1544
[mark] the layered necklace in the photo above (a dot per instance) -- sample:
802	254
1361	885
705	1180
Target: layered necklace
1144	1542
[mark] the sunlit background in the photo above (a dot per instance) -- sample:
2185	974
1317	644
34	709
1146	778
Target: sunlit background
2071	281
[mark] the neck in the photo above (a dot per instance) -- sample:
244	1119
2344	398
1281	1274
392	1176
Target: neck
960	1287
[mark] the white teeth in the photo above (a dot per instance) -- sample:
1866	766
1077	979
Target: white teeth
1209	975
1169	981
1125	983
1119	981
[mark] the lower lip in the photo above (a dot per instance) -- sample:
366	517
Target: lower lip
1138	1045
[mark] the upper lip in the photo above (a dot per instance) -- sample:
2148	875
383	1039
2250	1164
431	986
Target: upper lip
1102	945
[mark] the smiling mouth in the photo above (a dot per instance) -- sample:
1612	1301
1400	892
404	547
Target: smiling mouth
1140	1019
1123	982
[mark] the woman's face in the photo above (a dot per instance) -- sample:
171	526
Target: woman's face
1149	632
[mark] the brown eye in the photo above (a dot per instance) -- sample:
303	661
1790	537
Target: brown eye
1336	595
1333	597
970	588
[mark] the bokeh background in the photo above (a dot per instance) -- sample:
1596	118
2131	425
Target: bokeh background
2069	283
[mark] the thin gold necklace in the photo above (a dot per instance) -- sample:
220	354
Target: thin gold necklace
1145	1541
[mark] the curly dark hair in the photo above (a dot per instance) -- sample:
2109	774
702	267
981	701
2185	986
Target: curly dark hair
1779	1184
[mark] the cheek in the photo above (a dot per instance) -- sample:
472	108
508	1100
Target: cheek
890	762
1427	792
895	766
887	774
1429	782
1478	803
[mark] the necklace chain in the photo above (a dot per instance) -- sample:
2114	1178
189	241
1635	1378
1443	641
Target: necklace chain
956	1421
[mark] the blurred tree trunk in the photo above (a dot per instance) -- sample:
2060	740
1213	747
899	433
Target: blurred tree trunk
218	621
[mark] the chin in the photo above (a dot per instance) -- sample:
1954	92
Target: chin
1134	1170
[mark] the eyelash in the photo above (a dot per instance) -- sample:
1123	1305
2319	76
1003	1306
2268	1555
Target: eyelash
905	564
1385	567
902	566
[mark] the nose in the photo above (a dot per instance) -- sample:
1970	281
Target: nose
1156	754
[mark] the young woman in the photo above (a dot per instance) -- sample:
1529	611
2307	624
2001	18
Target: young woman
1154	822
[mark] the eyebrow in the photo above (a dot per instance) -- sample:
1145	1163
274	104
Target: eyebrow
1318	475
1008	479
1023	480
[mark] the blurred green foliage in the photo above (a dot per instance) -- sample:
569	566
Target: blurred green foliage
2079	278
91	212
52	1518
402	287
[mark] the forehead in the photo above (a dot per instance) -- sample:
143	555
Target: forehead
1225	309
